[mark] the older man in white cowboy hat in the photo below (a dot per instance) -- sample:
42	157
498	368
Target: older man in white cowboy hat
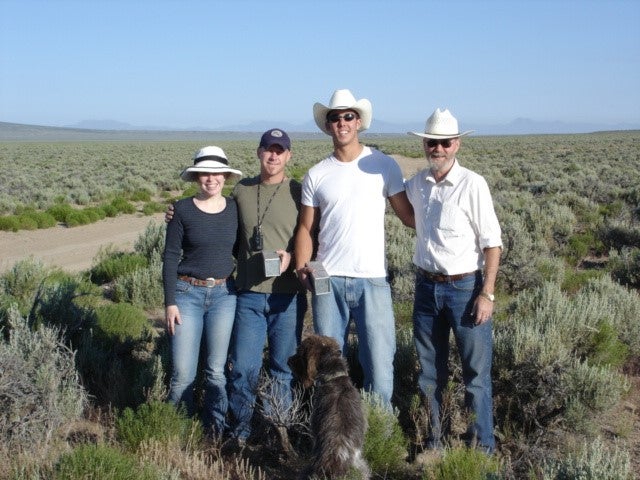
457	256
344	196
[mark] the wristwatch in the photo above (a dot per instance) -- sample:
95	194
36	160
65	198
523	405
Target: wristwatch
489	296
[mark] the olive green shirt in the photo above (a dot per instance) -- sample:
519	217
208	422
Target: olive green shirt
279	208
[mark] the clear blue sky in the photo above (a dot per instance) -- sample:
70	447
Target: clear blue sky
212	63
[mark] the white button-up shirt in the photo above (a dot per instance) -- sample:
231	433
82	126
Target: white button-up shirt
455	220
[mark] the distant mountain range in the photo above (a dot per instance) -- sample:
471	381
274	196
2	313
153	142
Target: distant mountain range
112	130
519	126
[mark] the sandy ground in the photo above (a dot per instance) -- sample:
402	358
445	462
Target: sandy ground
73	249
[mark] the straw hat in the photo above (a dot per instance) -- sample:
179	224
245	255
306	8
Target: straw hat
212	160
343	100
440	125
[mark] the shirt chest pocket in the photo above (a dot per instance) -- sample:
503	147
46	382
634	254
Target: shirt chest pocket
452	220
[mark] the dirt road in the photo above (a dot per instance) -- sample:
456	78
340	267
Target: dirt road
72	249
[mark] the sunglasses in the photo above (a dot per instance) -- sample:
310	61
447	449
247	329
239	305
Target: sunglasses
446	143
335	117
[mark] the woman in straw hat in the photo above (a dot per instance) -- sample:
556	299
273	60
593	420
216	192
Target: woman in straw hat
199	291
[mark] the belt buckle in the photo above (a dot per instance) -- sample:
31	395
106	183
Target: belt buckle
211	282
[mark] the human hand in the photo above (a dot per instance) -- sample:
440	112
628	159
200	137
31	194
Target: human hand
168	215
172	317
303	275
482	310
285	259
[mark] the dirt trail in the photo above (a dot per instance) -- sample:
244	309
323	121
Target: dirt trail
72	249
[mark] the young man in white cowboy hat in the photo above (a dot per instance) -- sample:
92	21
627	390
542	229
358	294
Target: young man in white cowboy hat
457	255
344	196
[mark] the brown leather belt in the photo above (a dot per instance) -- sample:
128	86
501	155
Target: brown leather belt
209	282
441	277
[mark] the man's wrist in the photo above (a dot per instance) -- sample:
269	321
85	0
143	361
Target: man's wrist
489	296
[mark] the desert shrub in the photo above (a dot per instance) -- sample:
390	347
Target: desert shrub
604	347
385	446
140	195
542	359
122	205
617	235
76	218
21	283
521	254
625	266
39	386
464	464
151	242
405	371
104	462
60	211
42	219
595	461
121	322
149	208
9	223
141	287
109	210
622	305
400	242
110	265
65	301
575	280
159	421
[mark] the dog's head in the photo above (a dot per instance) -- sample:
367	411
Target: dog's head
304	364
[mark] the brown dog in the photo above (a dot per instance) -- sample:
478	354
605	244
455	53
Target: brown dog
338	421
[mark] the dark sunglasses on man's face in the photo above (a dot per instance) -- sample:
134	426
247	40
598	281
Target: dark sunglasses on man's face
335	117
446	143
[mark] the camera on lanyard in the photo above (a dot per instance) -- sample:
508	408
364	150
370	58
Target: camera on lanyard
256	239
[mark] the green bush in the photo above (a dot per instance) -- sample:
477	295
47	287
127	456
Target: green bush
141	287
121	322
102	462
141	195
112	265
150	208
603	347
385	446
123	206
464	464
60	211
159	421
9	223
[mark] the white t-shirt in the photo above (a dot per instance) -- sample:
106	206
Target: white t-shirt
352	197
455	221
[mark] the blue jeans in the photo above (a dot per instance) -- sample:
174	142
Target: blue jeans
368	302
277	317
438	309
209	312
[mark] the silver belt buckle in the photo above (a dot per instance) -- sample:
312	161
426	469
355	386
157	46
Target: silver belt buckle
211	282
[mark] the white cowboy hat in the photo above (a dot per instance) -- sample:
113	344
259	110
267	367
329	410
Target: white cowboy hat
343	100
209	159
441	124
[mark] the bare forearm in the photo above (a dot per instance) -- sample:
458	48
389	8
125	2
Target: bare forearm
491	264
